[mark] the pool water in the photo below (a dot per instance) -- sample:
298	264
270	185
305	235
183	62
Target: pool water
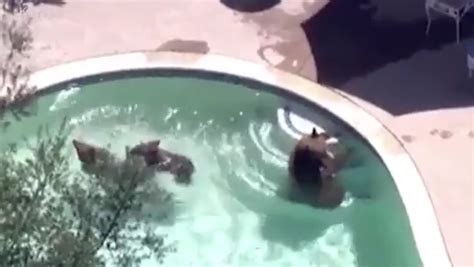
232	213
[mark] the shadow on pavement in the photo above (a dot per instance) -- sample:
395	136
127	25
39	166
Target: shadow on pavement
48	2
349	44
250	5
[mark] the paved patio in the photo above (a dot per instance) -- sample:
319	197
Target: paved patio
84	28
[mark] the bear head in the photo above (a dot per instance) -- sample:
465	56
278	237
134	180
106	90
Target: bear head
149	151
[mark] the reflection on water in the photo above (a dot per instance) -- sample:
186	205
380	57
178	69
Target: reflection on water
233	213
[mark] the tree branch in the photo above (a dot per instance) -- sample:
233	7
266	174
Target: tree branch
121	208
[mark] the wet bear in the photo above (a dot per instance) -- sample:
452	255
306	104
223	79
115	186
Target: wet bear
162	160
312	166
111	171
95	159
145	157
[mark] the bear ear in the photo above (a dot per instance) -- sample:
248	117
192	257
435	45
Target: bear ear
155	143
146	147
153	146
314	133
85	152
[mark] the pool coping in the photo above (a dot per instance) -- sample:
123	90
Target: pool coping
424	224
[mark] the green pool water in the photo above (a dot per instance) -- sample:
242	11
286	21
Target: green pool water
232	214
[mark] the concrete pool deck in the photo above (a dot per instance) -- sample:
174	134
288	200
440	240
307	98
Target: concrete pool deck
79	30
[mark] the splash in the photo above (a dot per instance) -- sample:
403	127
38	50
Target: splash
64	98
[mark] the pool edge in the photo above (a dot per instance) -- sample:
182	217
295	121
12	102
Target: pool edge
424	224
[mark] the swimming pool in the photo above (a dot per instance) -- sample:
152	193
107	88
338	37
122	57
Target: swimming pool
232	214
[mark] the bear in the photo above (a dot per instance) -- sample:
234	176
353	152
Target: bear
145	157
312	166
112	172
94	159
162	160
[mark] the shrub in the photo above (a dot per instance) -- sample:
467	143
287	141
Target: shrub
16	40
51	216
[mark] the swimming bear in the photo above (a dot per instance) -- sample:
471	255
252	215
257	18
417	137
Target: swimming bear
94	159
112	173
312	166
144	157
162	160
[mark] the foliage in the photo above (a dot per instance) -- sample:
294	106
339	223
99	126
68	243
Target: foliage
53	216
16	40
50	215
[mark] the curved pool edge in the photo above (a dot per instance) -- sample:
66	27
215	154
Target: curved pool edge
420	211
